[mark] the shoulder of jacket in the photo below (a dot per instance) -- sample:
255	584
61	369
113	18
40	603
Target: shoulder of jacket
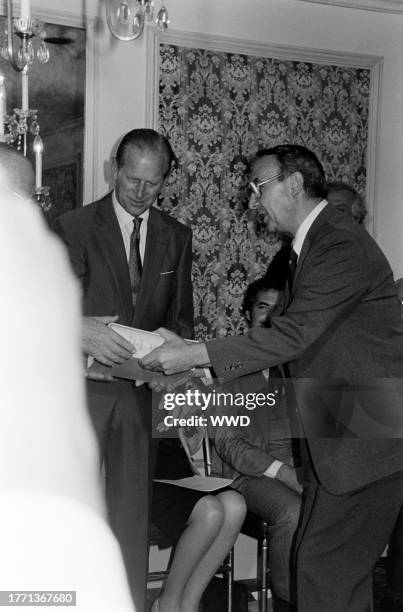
82	214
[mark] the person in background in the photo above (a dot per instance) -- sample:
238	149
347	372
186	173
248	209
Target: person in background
347	200
261	457
53	529
134	264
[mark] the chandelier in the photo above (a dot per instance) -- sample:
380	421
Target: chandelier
24	121
126	18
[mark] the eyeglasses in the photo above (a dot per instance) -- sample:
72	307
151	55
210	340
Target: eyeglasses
256	186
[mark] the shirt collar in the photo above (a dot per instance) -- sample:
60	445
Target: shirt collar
124	218
305	227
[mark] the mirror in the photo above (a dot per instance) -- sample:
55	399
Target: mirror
57	91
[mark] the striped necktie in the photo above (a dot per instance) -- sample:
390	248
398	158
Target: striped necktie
135	267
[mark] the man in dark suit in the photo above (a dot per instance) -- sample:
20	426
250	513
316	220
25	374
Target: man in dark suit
343	340
105	240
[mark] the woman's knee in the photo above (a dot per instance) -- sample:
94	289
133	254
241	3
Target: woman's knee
234	506
208	511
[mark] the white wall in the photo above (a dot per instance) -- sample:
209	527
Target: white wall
120	76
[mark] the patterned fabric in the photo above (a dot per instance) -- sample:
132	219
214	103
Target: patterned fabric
135	267
218	109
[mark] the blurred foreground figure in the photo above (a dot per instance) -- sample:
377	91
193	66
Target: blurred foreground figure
52	528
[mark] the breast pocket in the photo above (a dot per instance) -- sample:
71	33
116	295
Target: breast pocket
167	274
166	286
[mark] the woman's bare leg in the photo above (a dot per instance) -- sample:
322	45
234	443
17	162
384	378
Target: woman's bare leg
203	527
234	509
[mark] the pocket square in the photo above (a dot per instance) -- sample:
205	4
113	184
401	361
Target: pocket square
168	272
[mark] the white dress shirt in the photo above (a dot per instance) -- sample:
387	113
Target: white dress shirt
125	221
305	226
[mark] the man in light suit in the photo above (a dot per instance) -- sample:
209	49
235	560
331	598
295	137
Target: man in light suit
99	240
343	340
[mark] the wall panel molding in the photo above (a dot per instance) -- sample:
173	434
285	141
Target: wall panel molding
286	52
67	18
219	100
378	6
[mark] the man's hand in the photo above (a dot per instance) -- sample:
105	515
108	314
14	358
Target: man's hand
288	475
99	376
104	344
159	385
175	355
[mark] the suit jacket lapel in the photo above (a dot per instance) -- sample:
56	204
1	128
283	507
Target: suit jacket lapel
154	255
110	244
304	251
323	217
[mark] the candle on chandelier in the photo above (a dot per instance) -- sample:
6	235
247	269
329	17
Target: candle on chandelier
25	9
24	81
3	107
38	148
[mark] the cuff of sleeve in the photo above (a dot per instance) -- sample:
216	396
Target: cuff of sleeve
207	377
273	468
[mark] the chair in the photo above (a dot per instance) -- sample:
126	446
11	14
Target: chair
257	528
226	569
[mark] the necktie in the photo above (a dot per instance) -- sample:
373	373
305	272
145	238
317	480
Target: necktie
292	266
135	267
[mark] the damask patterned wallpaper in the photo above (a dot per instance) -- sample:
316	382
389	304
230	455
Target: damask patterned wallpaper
218	109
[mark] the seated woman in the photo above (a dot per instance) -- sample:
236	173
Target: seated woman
202	527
